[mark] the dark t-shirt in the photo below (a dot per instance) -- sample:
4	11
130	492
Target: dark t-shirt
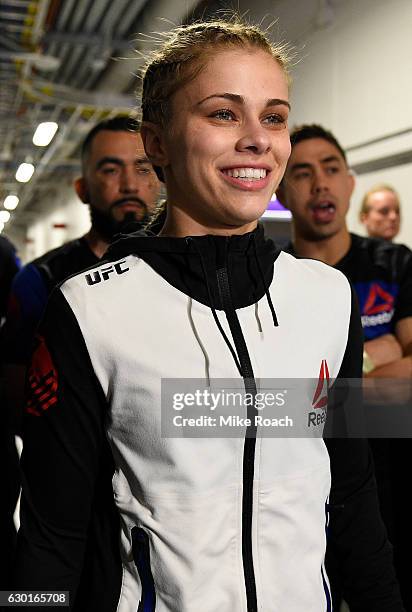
9	266
381	274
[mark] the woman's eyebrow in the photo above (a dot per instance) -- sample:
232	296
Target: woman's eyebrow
240	99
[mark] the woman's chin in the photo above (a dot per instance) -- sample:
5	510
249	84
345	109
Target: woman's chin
251	214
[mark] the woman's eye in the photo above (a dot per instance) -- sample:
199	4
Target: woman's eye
223	114
276	120
332	170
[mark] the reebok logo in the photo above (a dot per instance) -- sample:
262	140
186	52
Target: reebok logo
382	318
97	276
378	301
320	398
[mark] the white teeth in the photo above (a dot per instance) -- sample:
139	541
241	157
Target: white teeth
246	173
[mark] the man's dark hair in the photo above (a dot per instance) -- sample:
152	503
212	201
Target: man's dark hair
307	132
117	124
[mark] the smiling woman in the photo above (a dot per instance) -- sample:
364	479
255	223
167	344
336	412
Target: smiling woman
215	102
230	522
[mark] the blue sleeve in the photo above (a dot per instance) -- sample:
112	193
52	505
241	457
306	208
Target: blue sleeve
27	302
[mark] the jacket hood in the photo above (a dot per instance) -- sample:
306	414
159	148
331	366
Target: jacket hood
191	263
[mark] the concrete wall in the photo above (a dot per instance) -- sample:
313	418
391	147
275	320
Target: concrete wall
70	211
41	235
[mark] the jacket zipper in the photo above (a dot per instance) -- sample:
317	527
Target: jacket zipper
250	438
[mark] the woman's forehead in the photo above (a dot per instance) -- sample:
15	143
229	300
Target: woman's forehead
251	73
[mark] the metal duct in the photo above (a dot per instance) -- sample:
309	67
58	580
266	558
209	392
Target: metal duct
158	16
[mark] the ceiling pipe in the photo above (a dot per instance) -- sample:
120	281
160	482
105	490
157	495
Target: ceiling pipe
40	19
78	74
60	24
91	38
10	43
111	28
69	97
40	61
81	18
36	31
157	16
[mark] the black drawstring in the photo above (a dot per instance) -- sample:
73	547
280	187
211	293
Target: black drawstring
269	299
189	240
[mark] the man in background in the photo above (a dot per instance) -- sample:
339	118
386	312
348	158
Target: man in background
381	212
317	188
120	187
9	266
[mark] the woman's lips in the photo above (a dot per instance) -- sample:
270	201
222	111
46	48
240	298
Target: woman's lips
247	183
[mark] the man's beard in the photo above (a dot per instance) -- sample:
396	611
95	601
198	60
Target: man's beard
108	227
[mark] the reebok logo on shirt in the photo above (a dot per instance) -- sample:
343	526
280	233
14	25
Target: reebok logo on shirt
377	306
320	398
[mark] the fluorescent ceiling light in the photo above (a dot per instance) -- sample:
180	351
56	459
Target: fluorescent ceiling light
1	227
44	133
24	173
11	201
4	216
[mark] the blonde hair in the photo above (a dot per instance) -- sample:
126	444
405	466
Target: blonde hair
365	208
184	53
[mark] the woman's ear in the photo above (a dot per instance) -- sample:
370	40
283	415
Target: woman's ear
154	143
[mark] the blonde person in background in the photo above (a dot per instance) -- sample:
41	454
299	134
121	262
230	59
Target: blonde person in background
380	212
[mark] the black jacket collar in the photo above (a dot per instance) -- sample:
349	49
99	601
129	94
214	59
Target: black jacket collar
179	261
